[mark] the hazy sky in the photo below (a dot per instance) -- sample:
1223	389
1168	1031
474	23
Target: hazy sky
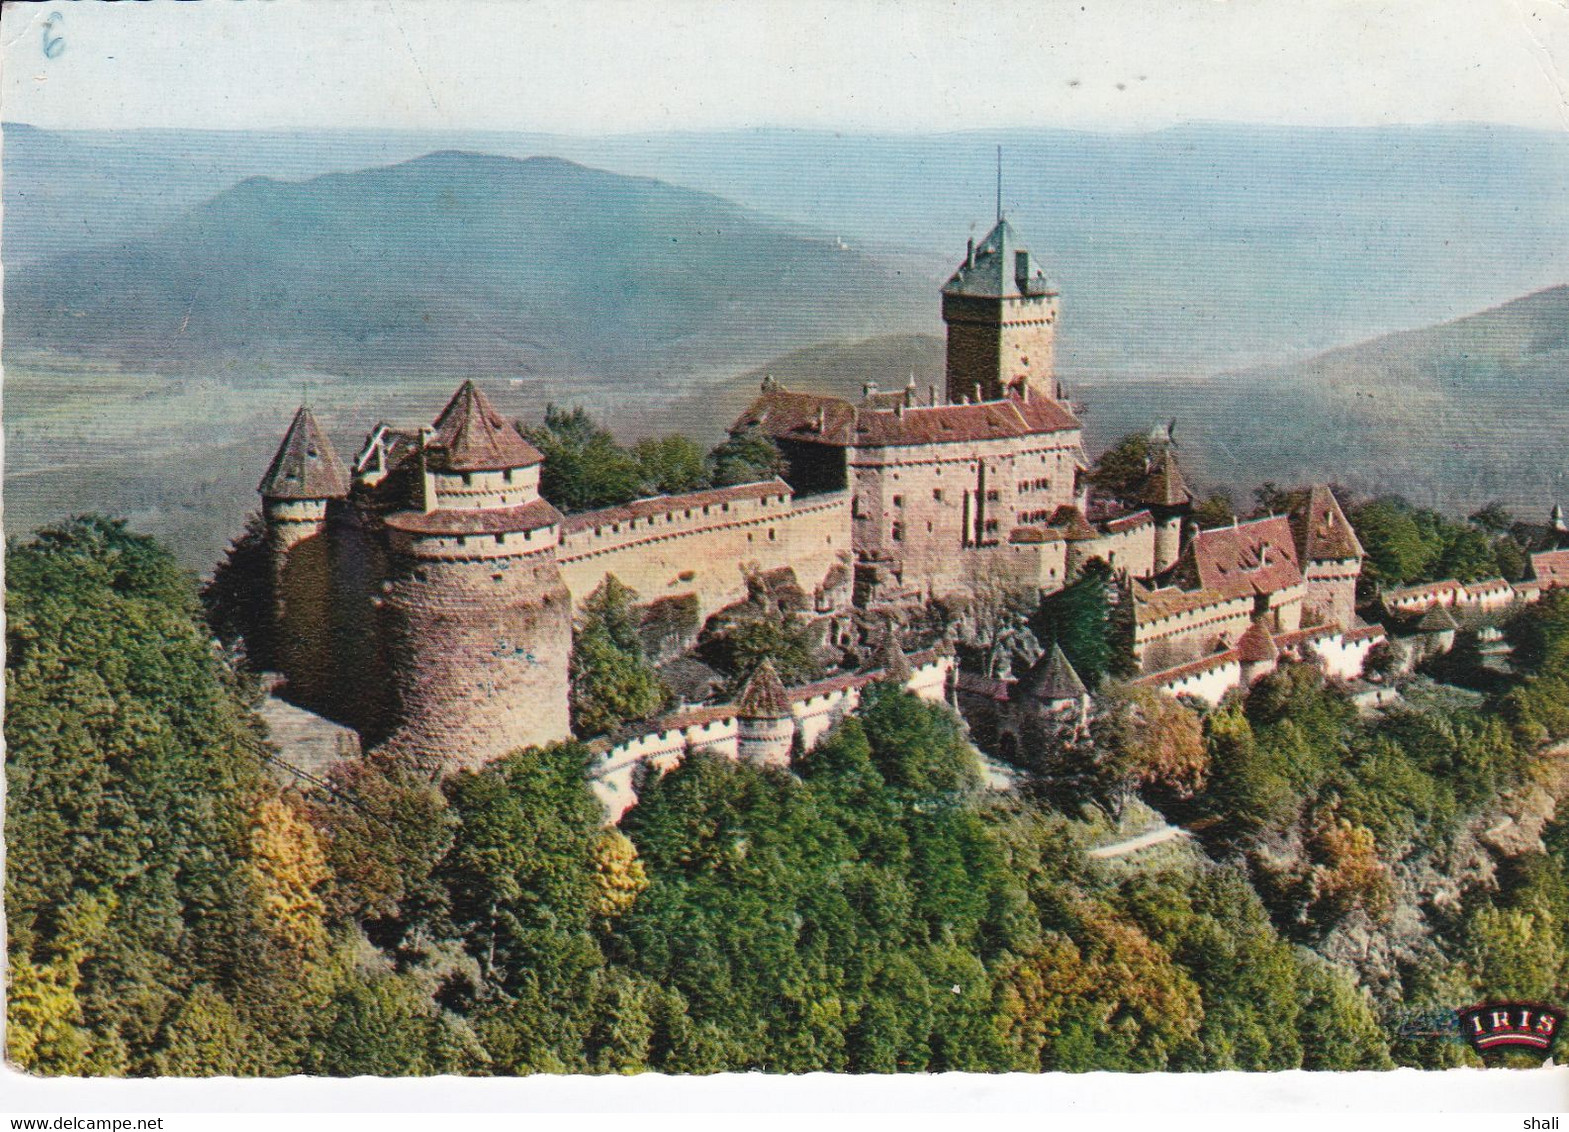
599	66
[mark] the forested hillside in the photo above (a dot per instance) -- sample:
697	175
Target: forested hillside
875	909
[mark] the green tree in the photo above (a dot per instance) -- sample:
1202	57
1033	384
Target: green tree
584	466
134	777
1121	469
612	681
670	464
746	457
1078	618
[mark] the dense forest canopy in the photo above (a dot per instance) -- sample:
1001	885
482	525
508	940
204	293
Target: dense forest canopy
173	908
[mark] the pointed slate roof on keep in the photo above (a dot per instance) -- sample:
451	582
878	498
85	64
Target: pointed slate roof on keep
1324	532
1052	679
305	466
470	436
994	273
764	696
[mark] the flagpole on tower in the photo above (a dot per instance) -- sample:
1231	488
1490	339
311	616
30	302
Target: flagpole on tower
999	184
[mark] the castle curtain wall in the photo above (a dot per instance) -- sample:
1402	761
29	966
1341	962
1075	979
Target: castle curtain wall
669	554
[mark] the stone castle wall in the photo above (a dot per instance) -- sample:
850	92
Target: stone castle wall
303	599
478	652
992	341
674	547
924	507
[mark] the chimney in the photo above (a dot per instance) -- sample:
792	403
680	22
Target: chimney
969	254
977	393
1021	269
822	419
931	393
899	409
868	389
1024	390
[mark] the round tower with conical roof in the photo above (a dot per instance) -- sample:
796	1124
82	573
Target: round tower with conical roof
304	481
476	620
765	725
1168	497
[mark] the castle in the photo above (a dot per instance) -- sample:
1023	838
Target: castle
424	594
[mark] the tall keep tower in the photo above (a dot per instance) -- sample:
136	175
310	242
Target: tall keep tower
305	479
1001	312
477	622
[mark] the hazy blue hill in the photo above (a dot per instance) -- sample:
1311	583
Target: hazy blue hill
1182	250
1456	414
461	263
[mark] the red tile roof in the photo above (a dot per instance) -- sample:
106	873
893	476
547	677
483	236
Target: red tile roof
491	521
1128	522
1256	645
764	695
1191	668
1551	567
305	466
1324	533
1165	486
669	504
821	419
470	436
1254	557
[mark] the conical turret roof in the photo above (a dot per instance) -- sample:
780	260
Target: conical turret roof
1437	620
764	696
1052	679
891	659
305	466
470	436
1165	486
1256	646
1323	531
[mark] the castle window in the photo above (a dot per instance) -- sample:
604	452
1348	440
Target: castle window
506	475
898	532
501	540
462	541
688	512
898	501
771	535
468	478
748	536
725	507
993	495
991	526
937	494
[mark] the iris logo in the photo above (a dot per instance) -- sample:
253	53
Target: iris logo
1511	1025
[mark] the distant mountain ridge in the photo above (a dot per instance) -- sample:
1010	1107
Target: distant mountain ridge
463	263
1182	250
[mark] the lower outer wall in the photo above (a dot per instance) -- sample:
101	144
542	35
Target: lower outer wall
479	655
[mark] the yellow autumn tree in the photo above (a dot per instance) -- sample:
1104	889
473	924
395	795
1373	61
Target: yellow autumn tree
619	875
290	868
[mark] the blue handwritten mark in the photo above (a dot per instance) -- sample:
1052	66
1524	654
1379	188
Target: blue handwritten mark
54	45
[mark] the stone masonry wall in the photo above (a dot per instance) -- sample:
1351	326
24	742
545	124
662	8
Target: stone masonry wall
302	581
478	653
925	506
995	341
709	556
